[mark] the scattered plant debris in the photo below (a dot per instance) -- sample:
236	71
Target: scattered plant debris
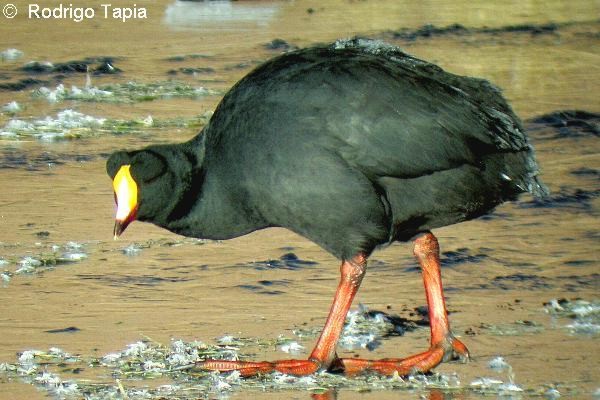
11	54
584	315
69	124
129	92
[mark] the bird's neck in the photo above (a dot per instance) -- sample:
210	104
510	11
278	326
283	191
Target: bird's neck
207	209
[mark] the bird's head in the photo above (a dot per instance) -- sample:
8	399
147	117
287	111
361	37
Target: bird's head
143	184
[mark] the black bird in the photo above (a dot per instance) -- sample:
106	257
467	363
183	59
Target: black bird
353	145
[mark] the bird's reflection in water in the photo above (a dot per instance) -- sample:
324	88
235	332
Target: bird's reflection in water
432	395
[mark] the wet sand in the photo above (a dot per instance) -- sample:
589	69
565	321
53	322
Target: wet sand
499	271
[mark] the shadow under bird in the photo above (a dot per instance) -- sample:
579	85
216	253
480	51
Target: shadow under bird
353	145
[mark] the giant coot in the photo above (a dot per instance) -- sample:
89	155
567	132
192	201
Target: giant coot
353	145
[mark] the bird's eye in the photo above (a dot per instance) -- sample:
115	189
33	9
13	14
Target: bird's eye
148	165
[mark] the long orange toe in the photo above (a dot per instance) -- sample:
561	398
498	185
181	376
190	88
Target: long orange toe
451	348
249	368
459	350
246	368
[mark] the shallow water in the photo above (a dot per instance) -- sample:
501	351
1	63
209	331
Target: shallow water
92	296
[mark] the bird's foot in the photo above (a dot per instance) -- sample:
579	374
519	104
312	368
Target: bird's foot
450	348
250	368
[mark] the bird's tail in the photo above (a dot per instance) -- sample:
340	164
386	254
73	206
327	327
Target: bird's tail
533	183
538	189
519	173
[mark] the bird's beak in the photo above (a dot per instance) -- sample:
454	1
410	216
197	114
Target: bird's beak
126	197
119	228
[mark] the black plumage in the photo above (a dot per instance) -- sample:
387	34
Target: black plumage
352	145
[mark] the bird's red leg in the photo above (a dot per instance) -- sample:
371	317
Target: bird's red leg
443	344
323	355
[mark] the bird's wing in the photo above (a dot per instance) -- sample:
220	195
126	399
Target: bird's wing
421	124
